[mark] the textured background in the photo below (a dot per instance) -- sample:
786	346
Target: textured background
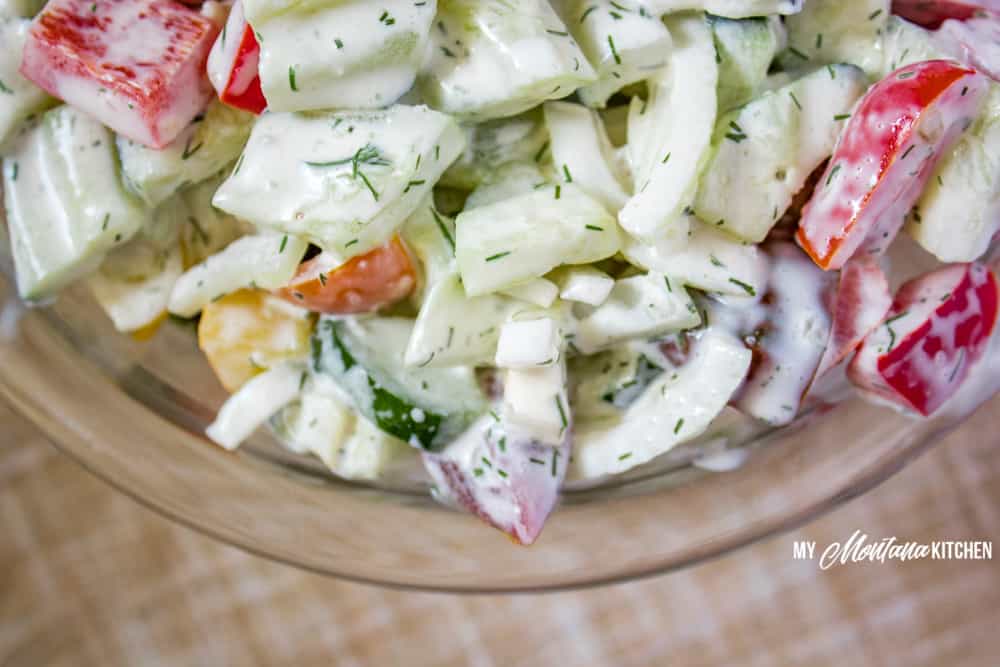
88	577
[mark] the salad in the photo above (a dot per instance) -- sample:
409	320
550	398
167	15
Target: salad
523	243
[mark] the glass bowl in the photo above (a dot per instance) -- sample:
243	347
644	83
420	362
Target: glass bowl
133	413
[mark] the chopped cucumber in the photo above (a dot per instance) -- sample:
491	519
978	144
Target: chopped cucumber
19	98
535	401
967	180
201	151
431	237
349	444
516	240
834	31
638	307
709	261
351	54
745	49
605	384
766	150
206	230
255	403
66	206
134	282
453	329
677	407
734	9
670	135
623	44
426	407
583	284
538	292
497	58
904	43
494	143
344	181
267	261
580	145
510	180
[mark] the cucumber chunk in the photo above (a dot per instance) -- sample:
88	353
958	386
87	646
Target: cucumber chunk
66	206
266	261
638	307
134	282
494	143
19	98
325	426
605	384
580	144
344	181
765	151
734	9
834	31
430	236
967	181
670	135
453	329
509	181
497	58
677	407
710	260
904	43
351	54
745	49
516	240
202	150
425	407
623	45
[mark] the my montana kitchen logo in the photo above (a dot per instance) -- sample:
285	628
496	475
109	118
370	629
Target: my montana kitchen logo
860	548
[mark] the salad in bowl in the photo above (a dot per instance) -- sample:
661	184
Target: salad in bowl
518	245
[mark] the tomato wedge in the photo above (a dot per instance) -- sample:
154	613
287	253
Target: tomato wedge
939	326
890	147
363	284
232	65
138	66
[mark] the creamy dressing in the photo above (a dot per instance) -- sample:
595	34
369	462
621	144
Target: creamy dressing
345	55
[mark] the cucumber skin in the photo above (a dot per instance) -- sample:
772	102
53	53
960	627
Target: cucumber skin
383	400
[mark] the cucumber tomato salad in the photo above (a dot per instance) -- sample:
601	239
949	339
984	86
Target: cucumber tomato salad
521	243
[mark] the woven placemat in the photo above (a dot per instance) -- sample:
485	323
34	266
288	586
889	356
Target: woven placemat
88	577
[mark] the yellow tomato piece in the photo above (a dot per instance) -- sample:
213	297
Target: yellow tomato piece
246	332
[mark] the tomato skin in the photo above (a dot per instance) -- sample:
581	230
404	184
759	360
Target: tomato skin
858	305
939	325
365	283
888	151
932	13
238	84
86	53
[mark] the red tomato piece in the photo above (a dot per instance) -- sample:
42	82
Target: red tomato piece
932	13
364	283
232	65
939	325
858	305
516	488
888	151
136	66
